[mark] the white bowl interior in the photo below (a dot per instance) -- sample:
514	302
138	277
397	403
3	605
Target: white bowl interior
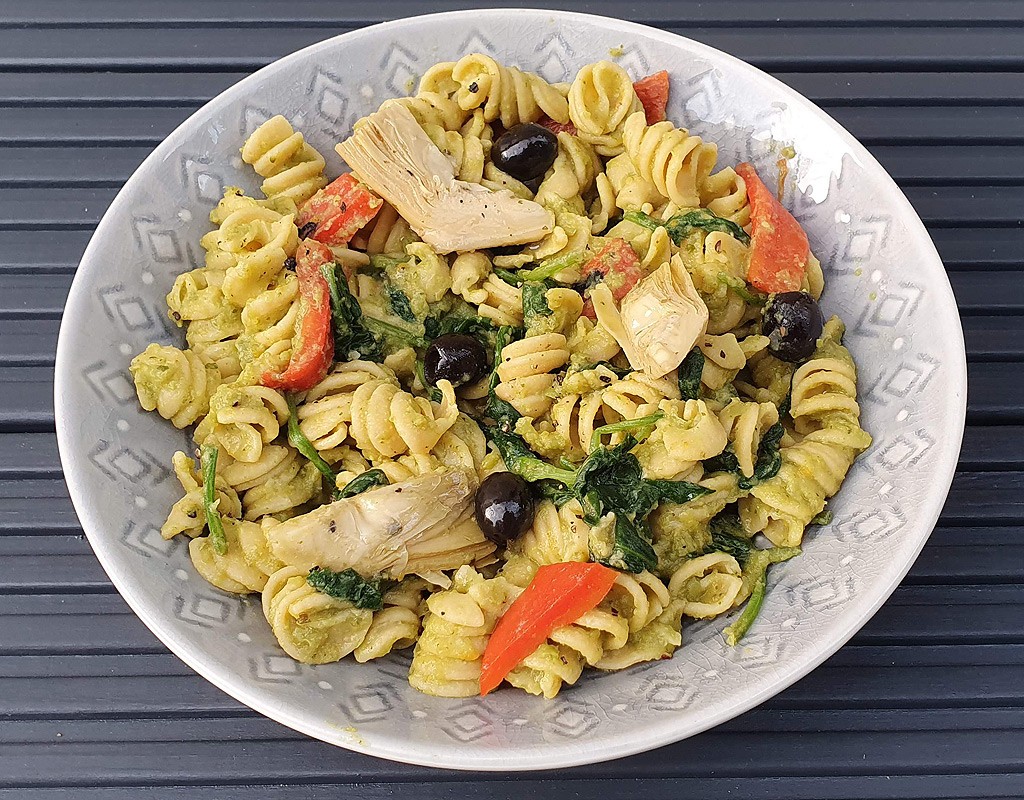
883	277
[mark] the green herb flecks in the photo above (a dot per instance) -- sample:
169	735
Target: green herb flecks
471	325
546	270
823	517
682	225
755	575
626	426
766	466
350	334
348	585
383	262
399	302
208	462
610	480
300	442
501	411
394	336
370	479
739	286
689	374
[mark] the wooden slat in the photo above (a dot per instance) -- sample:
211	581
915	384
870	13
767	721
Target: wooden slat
214	46
790	12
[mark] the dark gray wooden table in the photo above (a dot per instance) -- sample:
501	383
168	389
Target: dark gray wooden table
926	702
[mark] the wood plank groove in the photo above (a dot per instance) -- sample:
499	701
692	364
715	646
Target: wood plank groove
71	88
211	46
797	12
303	760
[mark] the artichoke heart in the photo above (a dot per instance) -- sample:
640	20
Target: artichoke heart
393	155
421	525
659	321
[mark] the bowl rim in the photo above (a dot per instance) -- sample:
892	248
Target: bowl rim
572	753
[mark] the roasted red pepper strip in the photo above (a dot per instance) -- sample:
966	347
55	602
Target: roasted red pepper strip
619	265
778	245
558	595
653	94
557	127
313	345
339	210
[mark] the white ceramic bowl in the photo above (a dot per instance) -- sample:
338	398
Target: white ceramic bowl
884	278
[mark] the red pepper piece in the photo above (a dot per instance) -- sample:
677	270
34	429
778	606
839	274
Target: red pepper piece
557	127
313	345
339	210
653	94
778	245
559	594
617	262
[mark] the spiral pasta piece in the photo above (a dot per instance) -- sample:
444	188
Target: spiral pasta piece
707	585
467	152
174	383
269	324
251	246
676	163
825	411
745	424
292	167
278	483
459	620
634	623
571	234
496	300
386	233
654	621
188	515
246	564
397	625
438	79
589	399
688	432
242	420
433	108
506	93
311	627
215	341
682	530
525	372
557	535
601	97
325	411
573	173
387	421
196	300
653	247
724	194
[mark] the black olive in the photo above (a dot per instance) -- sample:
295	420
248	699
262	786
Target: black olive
308	230
454	357
792	322
504	507
526	151
289	263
